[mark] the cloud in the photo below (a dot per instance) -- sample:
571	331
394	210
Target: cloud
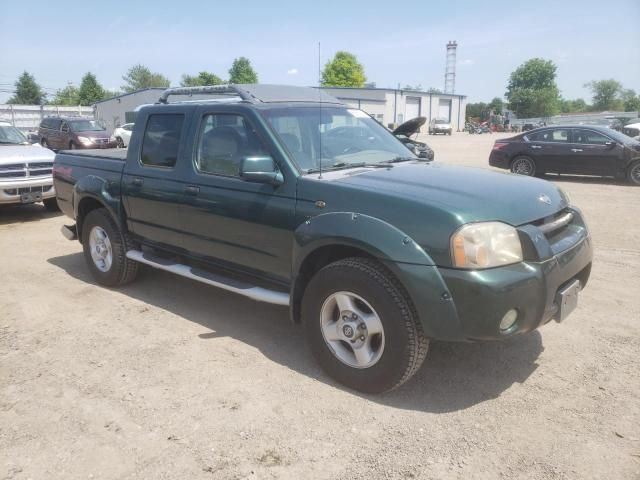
292	71
466	62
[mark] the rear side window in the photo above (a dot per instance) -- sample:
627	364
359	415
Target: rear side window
556	135
161	140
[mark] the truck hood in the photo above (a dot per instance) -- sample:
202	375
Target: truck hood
24	153
471	194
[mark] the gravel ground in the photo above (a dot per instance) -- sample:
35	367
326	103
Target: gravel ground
168	378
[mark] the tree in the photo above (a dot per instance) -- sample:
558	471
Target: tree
496	105
630	100
201	80
574	106
433	90
241	71
532	89
66	96
413	88
90	90
139	77
343	71
605	94
28	92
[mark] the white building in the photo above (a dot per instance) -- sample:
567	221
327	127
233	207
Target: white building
390	106
386	105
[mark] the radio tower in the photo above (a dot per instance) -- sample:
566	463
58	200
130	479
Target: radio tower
450	69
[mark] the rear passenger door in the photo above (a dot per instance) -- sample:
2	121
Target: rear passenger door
246	225
153	180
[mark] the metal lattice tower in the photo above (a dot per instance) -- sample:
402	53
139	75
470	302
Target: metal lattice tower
450	69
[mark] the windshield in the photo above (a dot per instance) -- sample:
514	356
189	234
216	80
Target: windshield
85	126
342	138
10	135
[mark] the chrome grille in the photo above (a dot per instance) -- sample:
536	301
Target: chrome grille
22	170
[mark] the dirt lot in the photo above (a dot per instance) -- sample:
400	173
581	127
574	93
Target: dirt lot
167	378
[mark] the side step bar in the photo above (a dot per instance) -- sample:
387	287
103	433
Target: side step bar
256	293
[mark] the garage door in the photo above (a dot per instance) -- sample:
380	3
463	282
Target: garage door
412	109
444	110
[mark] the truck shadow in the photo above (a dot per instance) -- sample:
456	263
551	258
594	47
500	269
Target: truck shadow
24	213
455	376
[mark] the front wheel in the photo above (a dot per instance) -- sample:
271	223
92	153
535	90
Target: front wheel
105	247
523	166
633	175
361	326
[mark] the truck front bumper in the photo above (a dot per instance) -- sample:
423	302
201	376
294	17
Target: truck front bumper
462	305
12	191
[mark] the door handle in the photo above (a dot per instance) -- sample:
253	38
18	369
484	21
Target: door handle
191	190
137	182
576	150
536	146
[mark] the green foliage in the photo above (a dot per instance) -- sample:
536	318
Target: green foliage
201	80
66	96
241	71
605	94
343	71
28	92
630	100
496	105
532	89
90	90
574	106
139	77
413	88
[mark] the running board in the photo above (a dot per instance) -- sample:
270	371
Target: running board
256	293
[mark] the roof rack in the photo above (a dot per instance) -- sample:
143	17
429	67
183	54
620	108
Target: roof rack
230	90
255	93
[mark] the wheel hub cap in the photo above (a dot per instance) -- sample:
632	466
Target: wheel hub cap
352	329
100	248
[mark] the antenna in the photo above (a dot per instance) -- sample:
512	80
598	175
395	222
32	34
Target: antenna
320	109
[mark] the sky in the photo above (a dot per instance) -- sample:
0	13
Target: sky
398	43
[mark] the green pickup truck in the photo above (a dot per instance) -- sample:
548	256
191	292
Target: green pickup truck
286	196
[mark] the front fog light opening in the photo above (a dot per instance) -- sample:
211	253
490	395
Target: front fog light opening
509	320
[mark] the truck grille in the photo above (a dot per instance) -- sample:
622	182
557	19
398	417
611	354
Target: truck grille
23	170
21	190
556	223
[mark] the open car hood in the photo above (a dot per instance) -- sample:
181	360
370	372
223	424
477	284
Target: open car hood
410	127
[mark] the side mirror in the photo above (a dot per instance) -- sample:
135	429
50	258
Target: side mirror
260	170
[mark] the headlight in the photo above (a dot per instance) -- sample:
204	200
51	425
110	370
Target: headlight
85	140
485	245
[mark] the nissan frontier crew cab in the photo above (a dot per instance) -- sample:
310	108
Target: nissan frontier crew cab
286	196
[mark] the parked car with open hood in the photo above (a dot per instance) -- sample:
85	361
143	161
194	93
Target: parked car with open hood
25	170
407	130
578	150
284	195
62	133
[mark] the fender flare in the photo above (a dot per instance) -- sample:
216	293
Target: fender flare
376	237
95	188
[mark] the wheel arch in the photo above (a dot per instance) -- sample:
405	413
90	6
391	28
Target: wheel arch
89	194
334	236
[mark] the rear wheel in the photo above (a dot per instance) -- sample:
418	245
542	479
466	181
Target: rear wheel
361	327
105	247
523	166
633	174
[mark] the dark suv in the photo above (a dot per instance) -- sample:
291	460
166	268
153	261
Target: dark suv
61	133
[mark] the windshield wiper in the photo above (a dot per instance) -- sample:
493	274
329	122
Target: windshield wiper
345	165
399	159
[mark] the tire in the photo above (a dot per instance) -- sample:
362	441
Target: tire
51	204
633	174
522	165
394	338
119	142
120	270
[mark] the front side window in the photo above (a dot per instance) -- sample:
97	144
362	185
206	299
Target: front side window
223	141
161	140
85	126
589	137
333	137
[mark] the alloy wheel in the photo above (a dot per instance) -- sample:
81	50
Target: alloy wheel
101	250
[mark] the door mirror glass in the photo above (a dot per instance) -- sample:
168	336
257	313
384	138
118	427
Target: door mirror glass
260	169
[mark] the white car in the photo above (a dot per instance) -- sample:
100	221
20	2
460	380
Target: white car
440	125
25	170
122	134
